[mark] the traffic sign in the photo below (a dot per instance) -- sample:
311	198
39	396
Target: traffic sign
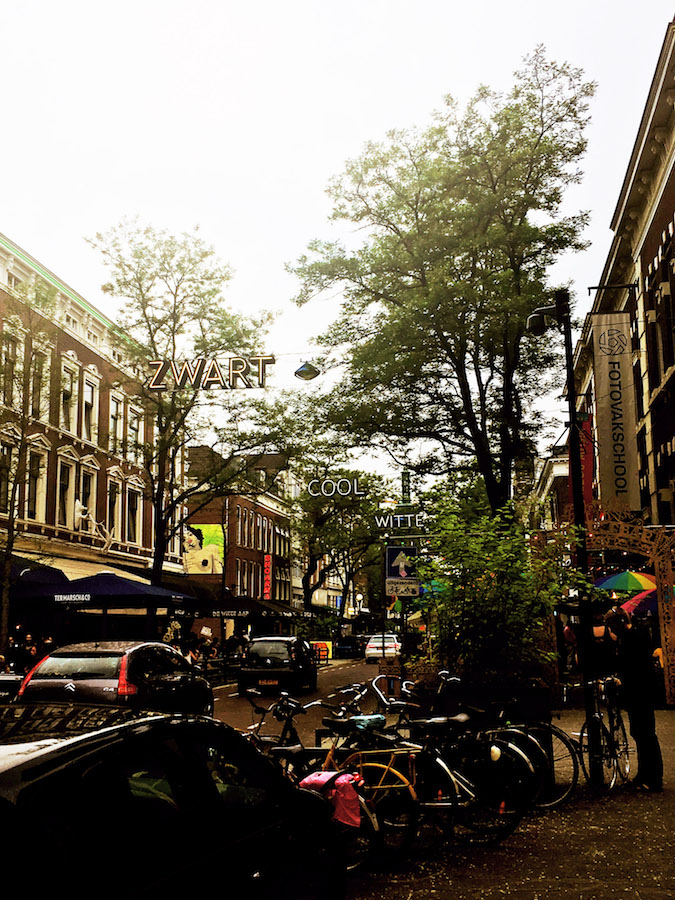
401	562
402	587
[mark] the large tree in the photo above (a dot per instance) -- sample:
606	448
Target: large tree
459	225
170	292
338	533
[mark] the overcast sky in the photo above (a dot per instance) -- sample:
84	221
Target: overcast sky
234	116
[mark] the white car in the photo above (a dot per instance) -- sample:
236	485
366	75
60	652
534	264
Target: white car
382	645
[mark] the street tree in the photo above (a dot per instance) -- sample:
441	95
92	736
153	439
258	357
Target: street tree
337	534
170	296
493	587
28	336
454	231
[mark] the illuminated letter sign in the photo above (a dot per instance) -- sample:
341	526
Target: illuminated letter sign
329	487
209	374
267	577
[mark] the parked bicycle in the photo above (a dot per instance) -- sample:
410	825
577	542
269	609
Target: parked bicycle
357	821
614	747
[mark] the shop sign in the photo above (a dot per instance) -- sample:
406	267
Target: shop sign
72	598
267	576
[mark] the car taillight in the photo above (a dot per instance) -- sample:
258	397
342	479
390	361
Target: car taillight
28	677
125	688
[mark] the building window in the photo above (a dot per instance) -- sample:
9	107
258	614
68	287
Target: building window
89	410
114	491
36	487
37	382
65	500
13	281
88	498
5	476
116	411
134	437
68	398
133	511
9	355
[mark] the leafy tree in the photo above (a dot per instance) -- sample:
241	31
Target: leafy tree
338	535
170	293
28	334
460	224
494	588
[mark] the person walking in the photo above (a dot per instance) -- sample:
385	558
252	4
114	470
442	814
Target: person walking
635	673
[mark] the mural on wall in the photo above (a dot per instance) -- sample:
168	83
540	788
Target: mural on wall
203	550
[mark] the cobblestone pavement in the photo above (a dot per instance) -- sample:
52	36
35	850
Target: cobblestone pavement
620	844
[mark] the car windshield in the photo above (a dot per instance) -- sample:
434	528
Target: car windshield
79	667
269	650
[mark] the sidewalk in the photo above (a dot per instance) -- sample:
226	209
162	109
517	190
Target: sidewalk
620	844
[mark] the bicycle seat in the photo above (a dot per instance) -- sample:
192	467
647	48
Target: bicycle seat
440	723
292	750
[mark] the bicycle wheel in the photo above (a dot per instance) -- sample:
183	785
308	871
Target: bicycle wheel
609	769
534	781
492	793
563	762
621	746
360	845
393	800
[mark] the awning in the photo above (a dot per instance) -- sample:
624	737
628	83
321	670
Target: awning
80	568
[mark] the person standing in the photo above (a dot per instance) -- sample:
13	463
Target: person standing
635	672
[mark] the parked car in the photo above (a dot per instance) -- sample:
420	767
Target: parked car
278	663
382	645
137	674
351	646
108	805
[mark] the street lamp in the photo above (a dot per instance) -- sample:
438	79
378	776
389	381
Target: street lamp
307	371
537	324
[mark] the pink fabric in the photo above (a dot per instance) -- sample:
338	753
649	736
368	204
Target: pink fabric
342	795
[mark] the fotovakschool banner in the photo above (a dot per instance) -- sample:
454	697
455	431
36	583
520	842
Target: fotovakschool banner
615	411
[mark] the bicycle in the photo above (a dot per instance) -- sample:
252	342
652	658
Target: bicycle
614	750
535	776
359	830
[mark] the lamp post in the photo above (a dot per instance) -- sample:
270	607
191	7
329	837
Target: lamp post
537	324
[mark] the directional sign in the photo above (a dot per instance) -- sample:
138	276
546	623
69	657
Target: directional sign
401	562
401	576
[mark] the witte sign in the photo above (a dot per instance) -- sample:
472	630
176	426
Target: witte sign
209	374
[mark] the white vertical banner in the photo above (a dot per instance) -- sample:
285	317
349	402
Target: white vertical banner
615	411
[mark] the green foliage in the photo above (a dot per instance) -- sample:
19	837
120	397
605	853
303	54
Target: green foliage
460	224
494	588
170	291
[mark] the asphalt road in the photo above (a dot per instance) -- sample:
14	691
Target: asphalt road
238	712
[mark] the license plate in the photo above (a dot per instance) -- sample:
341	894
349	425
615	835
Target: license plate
269	681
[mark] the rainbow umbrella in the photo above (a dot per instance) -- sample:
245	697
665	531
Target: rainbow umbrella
644	602
626	581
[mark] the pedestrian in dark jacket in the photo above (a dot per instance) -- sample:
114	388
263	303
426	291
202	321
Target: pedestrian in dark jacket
635	672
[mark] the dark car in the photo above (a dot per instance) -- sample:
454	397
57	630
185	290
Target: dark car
278	663
102	804
351	646
137	674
